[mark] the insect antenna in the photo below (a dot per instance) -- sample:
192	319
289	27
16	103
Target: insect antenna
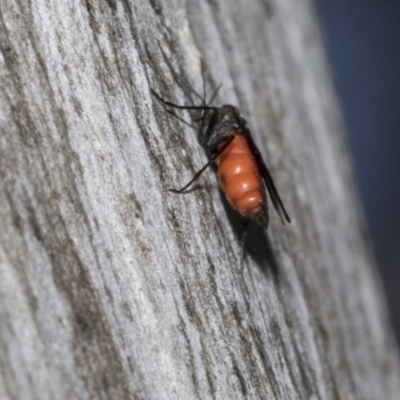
203	78
182	83
188	91
214	94
211	100
203	113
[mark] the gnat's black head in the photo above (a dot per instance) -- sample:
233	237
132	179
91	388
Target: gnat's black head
223	122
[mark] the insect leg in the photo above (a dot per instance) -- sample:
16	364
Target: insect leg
243	237
210	161
167	103
180	119
198	173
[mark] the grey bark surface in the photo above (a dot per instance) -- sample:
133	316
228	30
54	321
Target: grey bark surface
112	287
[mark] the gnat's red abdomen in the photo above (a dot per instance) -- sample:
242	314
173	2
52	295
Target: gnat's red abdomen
240	178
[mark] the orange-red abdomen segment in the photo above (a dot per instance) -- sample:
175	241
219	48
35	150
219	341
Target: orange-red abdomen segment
240	178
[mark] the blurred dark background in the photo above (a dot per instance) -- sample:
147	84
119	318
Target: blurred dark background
363	43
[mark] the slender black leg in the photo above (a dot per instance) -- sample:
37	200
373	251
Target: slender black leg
180	119
210	161
243	237
194	178
167	103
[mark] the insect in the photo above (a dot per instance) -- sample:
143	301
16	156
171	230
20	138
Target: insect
223	133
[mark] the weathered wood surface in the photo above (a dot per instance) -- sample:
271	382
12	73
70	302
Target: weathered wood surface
111	287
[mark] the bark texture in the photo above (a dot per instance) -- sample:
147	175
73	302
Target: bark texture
111	287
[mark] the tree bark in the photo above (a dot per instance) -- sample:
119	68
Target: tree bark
112	287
